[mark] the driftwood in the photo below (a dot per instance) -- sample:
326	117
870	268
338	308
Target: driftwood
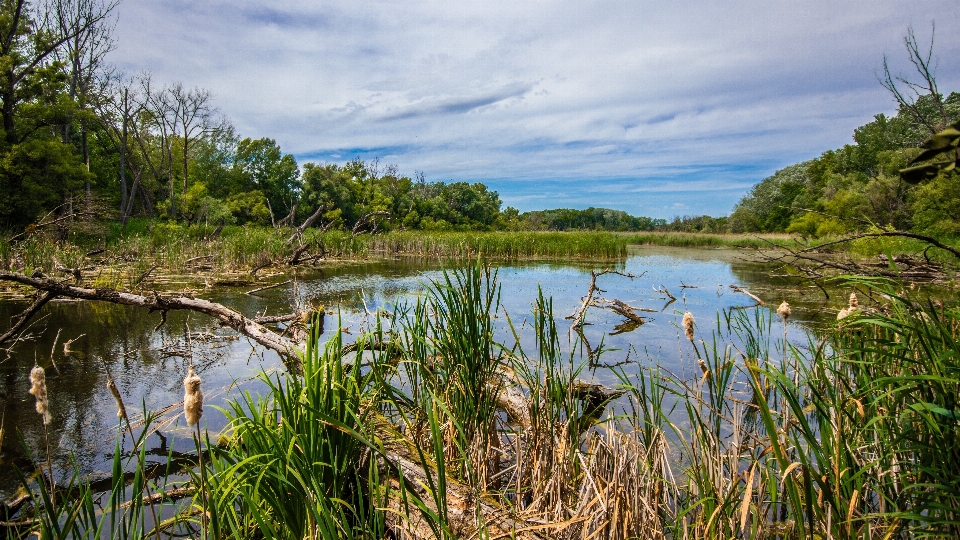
144	275
286	348
754	297
253	292
617	306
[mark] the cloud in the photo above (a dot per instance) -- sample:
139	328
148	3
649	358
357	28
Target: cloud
544	95
455	105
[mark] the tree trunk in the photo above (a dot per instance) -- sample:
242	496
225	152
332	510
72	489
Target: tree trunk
85	148
123	163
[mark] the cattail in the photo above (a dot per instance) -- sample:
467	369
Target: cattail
121	410
784	311
851	309
688	325
192	398
703	366
38	378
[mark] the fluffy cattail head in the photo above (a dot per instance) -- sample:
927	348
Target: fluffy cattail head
784	310
688	325
121	410
192	398
854	302
38	380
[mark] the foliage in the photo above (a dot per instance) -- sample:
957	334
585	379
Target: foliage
296	466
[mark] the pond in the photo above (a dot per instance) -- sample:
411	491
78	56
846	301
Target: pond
77	342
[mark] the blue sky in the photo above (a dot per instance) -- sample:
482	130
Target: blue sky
655	108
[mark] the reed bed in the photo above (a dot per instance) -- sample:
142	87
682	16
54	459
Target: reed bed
683	239
125	257
500	245
427	427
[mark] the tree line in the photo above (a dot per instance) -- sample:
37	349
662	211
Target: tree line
858	187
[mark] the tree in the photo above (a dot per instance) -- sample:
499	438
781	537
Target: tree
920	101
37	171
768	206
83	56
260	165
193	114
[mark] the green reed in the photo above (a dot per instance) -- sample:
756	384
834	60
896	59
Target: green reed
500	245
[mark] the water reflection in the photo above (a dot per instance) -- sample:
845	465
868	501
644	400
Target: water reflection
149	359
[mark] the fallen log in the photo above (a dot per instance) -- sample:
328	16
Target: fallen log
286	348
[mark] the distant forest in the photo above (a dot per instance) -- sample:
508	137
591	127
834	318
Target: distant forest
83	139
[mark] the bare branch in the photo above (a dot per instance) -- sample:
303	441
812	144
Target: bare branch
22	318
285	347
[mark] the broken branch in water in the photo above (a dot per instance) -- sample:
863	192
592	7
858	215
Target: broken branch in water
253	292
286	348
617	306
755	298
21	319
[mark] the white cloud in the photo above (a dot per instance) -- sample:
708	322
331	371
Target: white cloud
526	91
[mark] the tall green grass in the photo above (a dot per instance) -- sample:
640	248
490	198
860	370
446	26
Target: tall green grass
500	245
679	239
297	465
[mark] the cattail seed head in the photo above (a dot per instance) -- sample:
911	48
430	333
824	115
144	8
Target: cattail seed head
121	410
192	398
38	380
784	310
853	307
688	325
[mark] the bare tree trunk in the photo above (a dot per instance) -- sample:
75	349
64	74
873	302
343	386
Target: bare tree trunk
88	199
123	159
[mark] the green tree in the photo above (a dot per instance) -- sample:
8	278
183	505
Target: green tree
768	207
260	165
37	170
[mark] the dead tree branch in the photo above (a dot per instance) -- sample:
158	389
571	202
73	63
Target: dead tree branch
286	348
303	226
20	320
588	300
754	297
358	226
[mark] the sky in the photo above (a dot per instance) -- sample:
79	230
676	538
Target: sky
659	108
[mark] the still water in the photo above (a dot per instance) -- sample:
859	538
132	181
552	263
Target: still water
149	360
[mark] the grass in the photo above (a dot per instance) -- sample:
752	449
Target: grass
430	428
159	252
501	245
680	239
